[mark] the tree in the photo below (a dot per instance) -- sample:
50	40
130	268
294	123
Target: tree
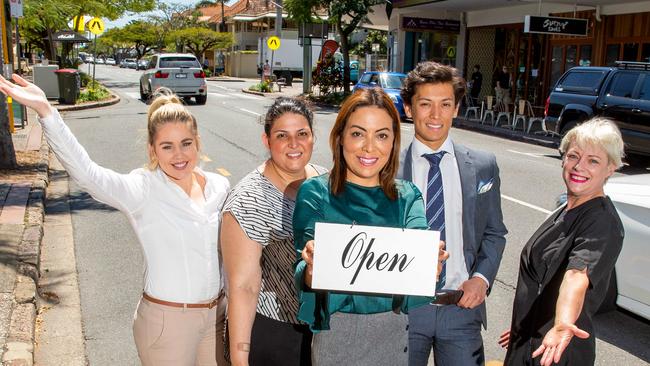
198	39
365	46
344	14
171	17
144	36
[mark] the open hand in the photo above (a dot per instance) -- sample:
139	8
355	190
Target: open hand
27	94
556	341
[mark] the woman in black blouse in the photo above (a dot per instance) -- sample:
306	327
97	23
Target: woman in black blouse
566	265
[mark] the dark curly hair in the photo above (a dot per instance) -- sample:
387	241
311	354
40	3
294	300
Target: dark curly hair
429	72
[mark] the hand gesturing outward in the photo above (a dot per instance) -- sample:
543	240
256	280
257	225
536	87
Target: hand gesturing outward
27	94
556	341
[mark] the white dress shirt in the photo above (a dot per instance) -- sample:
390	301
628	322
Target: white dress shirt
177	235
456	269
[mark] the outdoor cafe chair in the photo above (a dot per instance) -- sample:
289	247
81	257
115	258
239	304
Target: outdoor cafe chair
489	109
471	108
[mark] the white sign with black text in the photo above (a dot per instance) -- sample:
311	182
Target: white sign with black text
373	259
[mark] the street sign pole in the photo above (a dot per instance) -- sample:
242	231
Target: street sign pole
95	63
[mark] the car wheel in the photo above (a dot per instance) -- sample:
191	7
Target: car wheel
143	95
201	99
568	127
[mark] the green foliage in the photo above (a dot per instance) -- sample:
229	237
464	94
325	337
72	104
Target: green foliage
85	79
141	34
365	46
198	39
328	76
93	92
263	87
344	14
334	99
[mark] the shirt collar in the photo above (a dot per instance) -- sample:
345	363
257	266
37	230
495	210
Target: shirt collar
420	148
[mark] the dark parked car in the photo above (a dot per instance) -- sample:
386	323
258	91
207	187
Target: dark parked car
621	93
391	82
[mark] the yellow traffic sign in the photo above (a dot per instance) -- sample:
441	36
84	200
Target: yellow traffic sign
78	23
451	52
273	43
96	26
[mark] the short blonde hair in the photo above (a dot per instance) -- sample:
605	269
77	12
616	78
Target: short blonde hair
165	108
600	132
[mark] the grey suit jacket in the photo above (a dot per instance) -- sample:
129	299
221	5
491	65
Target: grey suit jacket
483	228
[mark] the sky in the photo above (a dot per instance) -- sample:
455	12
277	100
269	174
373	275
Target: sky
127	18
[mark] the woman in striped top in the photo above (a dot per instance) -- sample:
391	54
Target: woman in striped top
258	249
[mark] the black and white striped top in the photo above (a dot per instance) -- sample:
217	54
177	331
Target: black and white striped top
265	215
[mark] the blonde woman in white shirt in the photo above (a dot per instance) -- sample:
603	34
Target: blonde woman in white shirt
173	207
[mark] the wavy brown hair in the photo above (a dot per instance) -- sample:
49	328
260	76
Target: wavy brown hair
372	97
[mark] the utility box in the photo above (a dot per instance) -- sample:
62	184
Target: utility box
46	79
69	85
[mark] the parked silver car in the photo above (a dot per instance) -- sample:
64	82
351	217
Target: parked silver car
182	73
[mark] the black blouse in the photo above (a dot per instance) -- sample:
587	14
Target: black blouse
587	236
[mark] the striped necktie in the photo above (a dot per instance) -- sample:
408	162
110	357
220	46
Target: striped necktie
435	208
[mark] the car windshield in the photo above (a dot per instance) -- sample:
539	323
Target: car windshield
392	81
179	61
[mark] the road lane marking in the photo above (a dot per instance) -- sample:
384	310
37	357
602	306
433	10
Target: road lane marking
534	155
224	172
251	112
219	95
245	96
529	205
133	95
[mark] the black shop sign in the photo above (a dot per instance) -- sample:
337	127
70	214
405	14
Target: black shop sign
556	25
425	24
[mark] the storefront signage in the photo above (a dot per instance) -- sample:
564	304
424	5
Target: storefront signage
373	259
555	25
425	24
407	3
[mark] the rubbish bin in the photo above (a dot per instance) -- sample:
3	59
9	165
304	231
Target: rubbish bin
69	85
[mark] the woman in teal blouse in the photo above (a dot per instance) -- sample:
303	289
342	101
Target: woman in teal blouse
361	189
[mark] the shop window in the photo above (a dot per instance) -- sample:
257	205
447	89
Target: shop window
556	64
630	51
585	55
645	53
611	55
571	57
622	85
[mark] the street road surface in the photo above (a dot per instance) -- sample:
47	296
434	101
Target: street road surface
109	259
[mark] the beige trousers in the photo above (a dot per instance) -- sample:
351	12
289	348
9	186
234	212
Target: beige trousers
166	336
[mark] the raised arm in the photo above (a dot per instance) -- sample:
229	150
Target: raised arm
122	191
241	257
567	309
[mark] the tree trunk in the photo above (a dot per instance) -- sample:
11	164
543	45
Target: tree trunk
346	60
7	152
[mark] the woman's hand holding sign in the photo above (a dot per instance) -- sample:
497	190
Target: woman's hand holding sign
308	257
443	255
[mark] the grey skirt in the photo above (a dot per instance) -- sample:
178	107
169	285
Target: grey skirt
362	339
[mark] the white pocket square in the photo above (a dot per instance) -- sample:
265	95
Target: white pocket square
485	186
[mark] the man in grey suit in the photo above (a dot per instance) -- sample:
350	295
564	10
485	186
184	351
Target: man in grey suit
461	189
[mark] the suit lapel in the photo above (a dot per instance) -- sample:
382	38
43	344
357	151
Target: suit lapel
407	174
467	173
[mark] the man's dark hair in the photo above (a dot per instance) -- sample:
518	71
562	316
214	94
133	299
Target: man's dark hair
429	72
477	66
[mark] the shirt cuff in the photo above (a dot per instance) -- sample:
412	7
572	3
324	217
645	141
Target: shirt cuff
482	277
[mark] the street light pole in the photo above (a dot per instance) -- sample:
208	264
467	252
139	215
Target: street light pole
222	25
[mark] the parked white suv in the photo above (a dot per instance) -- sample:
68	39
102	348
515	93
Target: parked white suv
180	72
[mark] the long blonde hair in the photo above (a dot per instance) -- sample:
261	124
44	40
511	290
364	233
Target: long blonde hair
165	108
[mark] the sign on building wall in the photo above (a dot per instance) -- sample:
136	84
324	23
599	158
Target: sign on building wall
556	25
425	24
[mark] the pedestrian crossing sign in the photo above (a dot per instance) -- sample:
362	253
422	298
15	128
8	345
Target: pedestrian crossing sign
96	25
273	43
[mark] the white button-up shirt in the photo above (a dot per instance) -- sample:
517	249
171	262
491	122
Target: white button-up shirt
178	236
